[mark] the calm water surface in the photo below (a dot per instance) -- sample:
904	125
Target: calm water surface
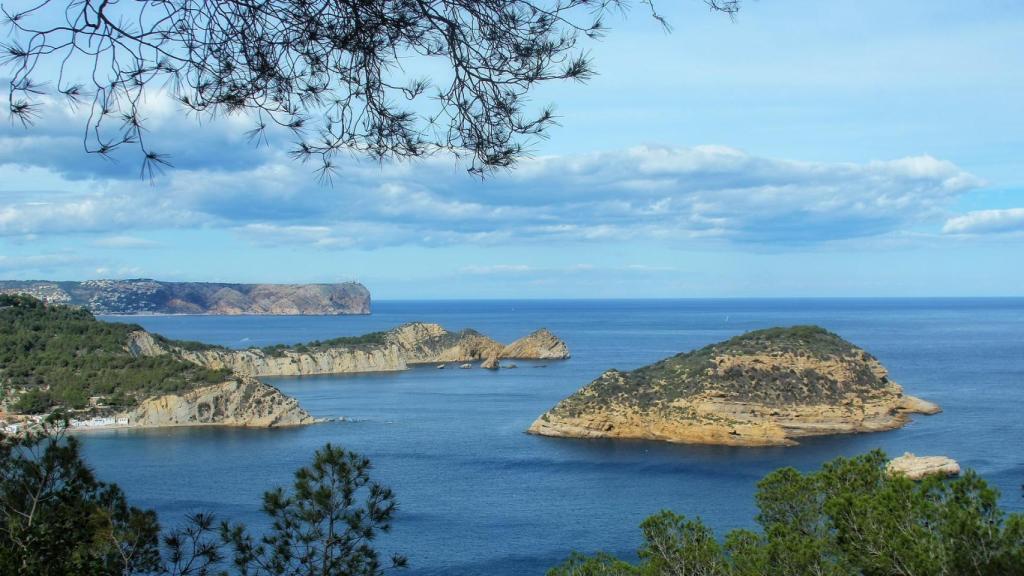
478	496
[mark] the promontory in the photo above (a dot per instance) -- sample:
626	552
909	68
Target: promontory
57	357
763	388
111	374
396	349
145	296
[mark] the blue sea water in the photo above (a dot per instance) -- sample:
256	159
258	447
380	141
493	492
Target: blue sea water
479	496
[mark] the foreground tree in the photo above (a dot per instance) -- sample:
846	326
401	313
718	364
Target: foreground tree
849	518
57	519
324	527
336	73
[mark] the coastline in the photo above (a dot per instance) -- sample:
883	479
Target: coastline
111	427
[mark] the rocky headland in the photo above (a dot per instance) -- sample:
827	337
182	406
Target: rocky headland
243	401
397	349
145	296
764	388
55	357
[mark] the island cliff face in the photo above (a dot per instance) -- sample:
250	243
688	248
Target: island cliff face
767	387
397	349
143	296
241	402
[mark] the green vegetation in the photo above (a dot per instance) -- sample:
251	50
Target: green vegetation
848	518
57	519
657	385
366	340
59	355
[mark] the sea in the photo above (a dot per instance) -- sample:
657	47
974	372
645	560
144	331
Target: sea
477	495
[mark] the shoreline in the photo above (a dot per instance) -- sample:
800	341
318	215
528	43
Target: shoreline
106	428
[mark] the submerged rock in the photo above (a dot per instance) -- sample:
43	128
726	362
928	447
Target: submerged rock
918	467
767	387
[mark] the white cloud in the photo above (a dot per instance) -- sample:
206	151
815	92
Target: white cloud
124	242
273	235
986	222
680	195
497	269
36	263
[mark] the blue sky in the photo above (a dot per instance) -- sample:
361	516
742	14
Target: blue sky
806	149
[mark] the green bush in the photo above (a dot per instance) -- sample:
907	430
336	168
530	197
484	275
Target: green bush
33	402
848	518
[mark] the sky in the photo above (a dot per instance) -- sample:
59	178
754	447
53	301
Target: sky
805	149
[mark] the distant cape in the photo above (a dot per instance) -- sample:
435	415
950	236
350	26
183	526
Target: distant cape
145	296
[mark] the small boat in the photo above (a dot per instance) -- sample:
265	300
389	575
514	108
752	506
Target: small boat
440	366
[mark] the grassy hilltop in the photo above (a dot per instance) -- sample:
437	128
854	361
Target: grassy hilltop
59	355
764	372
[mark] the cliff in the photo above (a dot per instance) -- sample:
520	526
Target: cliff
240	402
767	387
397	349
143	296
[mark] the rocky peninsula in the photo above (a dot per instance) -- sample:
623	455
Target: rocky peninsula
397	349
764	388
145	296
111	374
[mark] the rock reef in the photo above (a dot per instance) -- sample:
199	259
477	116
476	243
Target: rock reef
145	296
764	388
397	349
920	467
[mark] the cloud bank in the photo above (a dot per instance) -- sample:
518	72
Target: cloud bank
678	195
986	222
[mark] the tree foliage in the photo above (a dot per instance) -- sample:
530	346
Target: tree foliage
57	519
63	355
848	518
336	73
324	526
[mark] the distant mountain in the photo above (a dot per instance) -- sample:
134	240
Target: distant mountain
145	296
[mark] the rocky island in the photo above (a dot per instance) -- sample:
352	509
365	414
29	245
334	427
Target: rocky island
921	467
764	388
144	296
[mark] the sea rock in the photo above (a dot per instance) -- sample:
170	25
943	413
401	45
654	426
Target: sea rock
918	467
491	363
241	402
764	388
540	345
466	366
